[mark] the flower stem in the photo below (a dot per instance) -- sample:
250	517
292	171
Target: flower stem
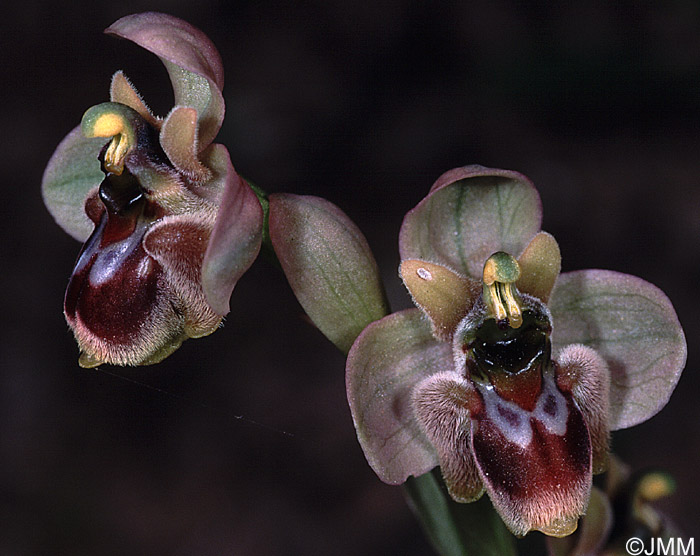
266	249
456	529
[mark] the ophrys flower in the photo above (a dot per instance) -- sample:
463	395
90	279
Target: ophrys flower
169	226
510	375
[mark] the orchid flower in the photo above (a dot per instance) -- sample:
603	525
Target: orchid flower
509	375
168	225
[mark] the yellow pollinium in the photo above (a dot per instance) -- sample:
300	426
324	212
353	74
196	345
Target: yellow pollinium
113	120
501	271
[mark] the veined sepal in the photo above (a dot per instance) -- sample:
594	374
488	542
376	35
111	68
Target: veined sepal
329	265
192	61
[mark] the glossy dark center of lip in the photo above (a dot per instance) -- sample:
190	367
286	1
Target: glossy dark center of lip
510	350
120	194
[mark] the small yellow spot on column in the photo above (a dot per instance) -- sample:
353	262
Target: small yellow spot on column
108	124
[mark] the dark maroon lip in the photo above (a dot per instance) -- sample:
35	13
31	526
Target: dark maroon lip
113	288
549	463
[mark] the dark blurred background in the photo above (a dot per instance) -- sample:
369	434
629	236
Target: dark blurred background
242	443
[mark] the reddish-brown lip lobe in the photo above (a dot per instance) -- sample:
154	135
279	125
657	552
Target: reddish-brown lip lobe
113	287
547	464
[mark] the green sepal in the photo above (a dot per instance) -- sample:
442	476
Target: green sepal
386	362
71	173
328	264
633	326
469	214
455	529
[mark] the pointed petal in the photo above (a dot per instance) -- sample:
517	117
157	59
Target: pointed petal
191	59
122	91
585	374
385	363
71	173
237	234
469	214
445	296
328	264
442	404
540	264
539	479
633	326
178	137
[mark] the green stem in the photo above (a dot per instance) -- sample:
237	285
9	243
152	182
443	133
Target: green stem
266	249
456	529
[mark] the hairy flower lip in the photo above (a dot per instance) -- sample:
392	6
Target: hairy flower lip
531	444
101	269
527	490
